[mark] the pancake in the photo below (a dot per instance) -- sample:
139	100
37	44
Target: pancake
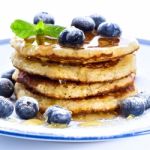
90	52
90	118
94	104
69	90
123	68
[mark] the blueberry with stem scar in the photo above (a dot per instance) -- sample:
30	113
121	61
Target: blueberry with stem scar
26	107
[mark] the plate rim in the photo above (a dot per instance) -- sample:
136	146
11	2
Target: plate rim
60	138
57	138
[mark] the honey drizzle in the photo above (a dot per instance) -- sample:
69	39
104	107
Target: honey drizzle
91	41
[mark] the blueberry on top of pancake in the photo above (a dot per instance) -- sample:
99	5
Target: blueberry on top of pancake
107	29
85	24
72	37
98	19
63	43
45	17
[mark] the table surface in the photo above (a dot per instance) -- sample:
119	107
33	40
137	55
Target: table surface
138	143
119	11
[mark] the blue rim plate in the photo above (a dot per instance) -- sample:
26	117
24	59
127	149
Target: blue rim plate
110	129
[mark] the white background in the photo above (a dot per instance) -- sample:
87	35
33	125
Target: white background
131	15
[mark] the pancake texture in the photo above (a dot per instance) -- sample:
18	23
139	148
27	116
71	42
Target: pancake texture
89	53
90	80
70	90
94	104
123	68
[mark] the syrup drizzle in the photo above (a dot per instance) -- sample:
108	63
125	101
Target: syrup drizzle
91	41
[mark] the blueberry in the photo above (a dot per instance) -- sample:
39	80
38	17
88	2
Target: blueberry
6	107
107	29
49	112
26	107
71	37
8	75
98	19
85	24
45	17
61	117
57	115
132	106
6	87
146	98
13	98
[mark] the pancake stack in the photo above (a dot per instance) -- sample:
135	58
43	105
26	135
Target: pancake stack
93	78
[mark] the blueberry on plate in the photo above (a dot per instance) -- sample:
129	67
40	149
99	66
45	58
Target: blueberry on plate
98	19
132	106
45	17
8	75
85	24
146	98
26	107
50	109
71	37
6	107
6	87
107	29
57	115
13	98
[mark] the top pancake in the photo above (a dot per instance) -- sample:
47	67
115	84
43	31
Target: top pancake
93	51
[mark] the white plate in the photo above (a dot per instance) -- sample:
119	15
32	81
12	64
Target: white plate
109	129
